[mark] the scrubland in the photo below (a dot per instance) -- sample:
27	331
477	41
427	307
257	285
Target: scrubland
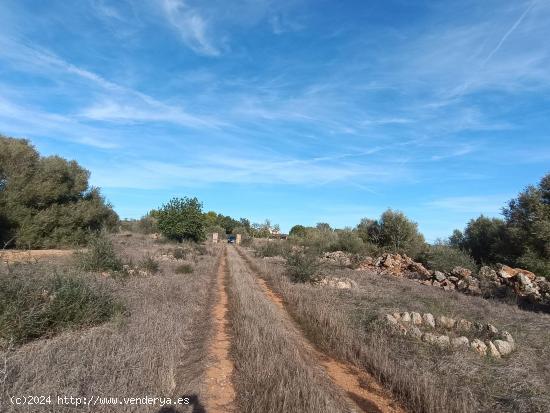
347	325
152	343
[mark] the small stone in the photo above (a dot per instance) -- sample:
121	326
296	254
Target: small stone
478	346
415	332
488	273
464	325
524	280
390	320
461	272
504	347
429	338
397	316
439	276
406	317
507	272
442	341
479	326
493	352
429	319
460	342
416	318
445	322
506	336
492	329
436	284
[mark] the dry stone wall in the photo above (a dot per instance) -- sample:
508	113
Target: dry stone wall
446	332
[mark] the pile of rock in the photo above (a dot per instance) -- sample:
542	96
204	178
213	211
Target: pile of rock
484	339
338	258
524	283
394	264
334	282
461	279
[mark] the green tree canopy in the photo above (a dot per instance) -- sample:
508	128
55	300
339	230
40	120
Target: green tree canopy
46	201
393	232
521	239
182	219
298	231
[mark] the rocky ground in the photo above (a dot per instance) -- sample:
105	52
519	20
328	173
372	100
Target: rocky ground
488	282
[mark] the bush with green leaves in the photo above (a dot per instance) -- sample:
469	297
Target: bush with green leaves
100	255
272	248
182	219
442	257
33	306
348	241
302	265
47	202
393	232
298	231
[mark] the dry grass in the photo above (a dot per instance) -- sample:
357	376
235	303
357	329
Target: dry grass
158	349
345	324
272	371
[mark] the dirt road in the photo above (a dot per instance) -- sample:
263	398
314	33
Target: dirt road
362	391
220	392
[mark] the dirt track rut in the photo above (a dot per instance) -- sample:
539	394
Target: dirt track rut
361	388
220	391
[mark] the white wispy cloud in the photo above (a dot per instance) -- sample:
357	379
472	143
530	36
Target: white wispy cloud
204	168
26	122
120	104
191	26
490	204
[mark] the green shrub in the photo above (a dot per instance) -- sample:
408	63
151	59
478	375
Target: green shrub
442	257
348	241
149	264
302	266
184	269
32	307
535	263
182	219
393	232
100	255
272	249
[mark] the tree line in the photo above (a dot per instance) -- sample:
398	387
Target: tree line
520	239
46	202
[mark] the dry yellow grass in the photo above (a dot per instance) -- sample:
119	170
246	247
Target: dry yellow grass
158	349
345	323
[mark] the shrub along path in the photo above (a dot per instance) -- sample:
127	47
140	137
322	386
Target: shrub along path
362	389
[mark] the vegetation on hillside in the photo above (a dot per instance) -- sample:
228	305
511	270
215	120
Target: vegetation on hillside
47	202
521	239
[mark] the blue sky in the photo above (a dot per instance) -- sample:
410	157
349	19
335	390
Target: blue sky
294	110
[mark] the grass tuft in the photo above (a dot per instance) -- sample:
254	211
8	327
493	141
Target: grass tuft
35	307
100	256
